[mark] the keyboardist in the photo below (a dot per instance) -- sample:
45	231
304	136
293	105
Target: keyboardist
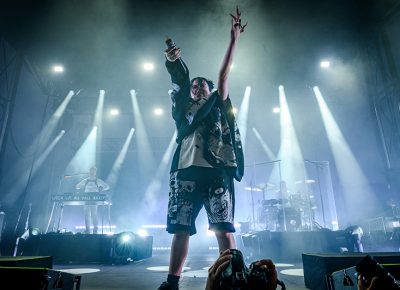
92	184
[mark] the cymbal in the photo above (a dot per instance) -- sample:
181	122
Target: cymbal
266	185
270	202
307	181
252	188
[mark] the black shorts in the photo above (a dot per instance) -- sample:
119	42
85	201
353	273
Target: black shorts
192	188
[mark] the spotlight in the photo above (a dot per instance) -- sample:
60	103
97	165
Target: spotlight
276	110
30	232
209	233
325	64
25	236
154	226
114	112
125	238
158	111
58	68
35	231
234	110
148	66
123	247
142	233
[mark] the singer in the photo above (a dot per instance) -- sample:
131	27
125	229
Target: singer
208	157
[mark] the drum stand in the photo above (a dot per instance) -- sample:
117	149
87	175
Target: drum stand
280	190
282	199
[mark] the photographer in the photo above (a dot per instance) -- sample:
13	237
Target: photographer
373	276
223	261
374	285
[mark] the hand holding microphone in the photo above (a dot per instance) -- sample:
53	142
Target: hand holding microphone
172	53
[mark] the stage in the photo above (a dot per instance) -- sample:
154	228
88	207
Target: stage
149	273
105	262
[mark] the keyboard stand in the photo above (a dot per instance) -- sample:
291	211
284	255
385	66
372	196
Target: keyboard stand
58	208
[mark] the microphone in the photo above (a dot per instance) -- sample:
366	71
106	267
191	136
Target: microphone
171	45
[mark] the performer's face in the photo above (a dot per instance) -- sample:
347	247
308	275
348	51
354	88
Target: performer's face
92	172
199	89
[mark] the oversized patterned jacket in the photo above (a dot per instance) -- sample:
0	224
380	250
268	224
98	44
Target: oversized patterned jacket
206	127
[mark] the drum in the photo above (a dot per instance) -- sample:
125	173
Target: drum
293	219
268	217
298	202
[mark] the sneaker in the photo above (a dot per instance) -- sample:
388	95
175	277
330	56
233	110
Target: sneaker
166	286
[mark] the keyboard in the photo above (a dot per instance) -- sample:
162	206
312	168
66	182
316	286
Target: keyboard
86	198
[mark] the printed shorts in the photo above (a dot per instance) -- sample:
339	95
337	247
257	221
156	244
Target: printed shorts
211	188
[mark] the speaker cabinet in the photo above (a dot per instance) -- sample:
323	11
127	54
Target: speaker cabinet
38	279
85	248
27	261
69	248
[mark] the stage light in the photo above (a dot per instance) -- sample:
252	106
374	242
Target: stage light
158	111
58	68
114	112
243	113
35	231
209	233
265	146
142	233
154	226
234	110
148	66
325	64
123	248
276	110
30	232
125	238
25	236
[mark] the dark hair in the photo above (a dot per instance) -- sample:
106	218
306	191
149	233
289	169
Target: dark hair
200	79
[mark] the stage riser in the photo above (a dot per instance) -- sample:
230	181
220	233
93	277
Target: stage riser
80	248
288	246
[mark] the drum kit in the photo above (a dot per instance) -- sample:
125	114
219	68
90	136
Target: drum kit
289	212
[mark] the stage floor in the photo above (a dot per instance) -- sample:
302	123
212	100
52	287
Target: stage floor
151	272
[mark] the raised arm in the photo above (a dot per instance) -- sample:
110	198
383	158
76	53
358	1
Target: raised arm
236	29
176	67
180	81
